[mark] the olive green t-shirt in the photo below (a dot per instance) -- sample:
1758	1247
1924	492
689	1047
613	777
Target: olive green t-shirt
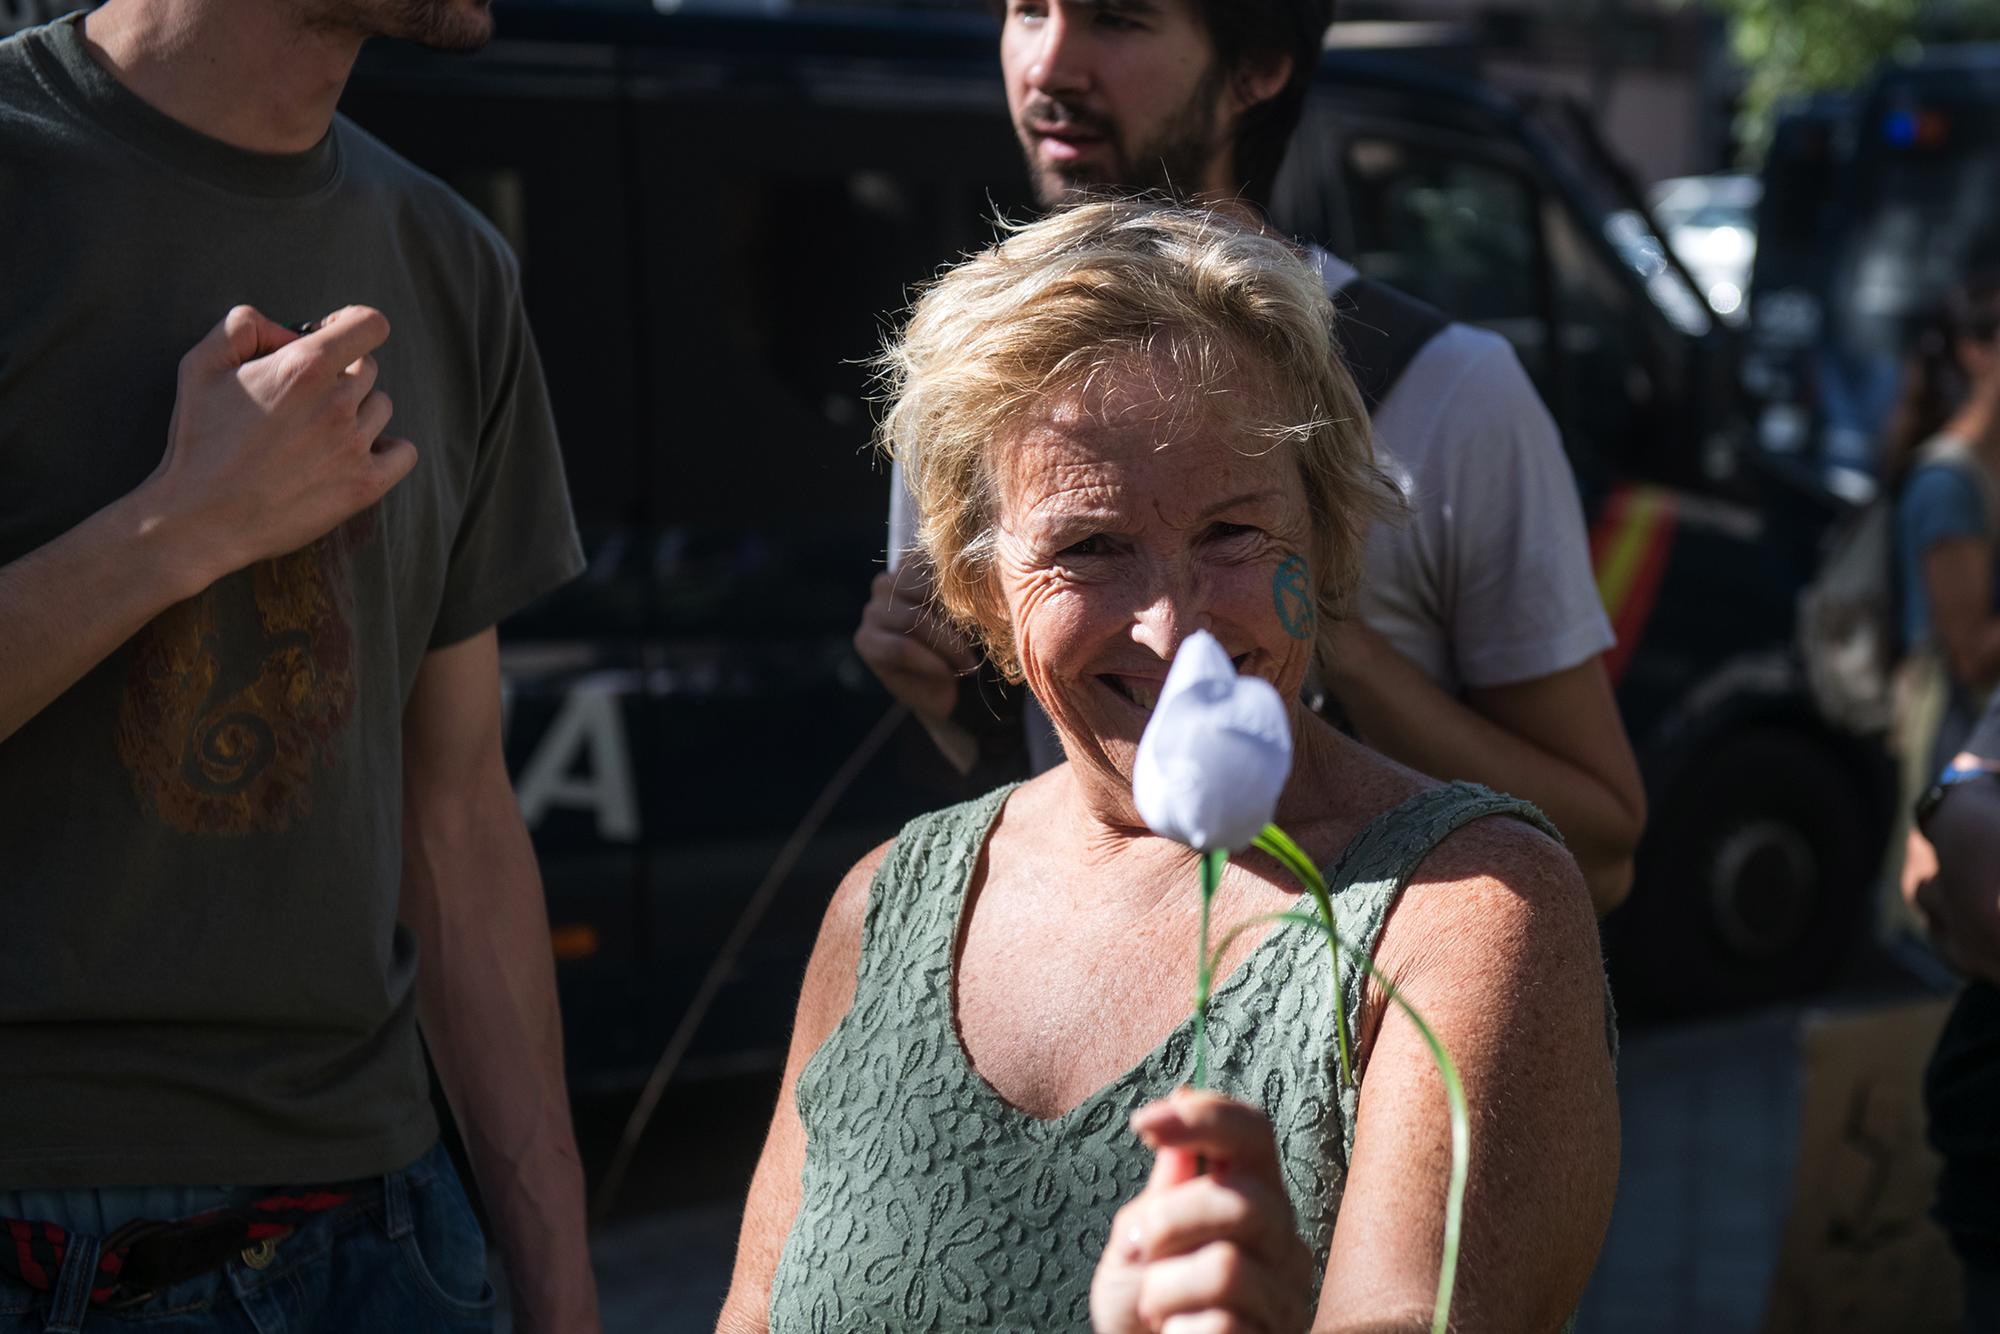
201	975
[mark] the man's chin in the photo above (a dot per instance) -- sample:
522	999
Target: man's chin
457	26
464	37
1059	189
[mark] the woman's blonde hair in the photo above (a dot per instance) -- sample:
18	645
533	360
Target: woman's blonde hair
1231	314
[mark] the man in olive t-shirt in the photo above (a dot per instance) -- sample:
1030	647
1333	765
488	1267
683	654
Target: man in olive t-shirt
255	818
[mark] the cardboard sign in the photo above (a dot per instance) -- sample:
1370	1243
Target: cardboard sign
1860	1253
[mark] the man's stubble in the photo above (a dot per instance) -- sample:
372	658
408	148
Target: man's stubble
1173	164
442	25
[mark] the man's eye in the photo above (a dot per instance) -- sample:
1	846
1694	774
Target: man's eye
1223	532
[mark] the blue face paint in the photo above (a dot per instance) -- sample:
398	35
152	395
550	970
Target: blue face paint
1291	593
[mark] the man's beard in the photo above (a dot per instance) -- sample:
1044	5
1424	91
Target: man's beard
1174	163
439	24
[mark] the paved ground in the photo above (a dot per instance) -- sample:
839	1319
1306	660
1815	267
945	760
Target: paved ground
1705	1179
667	1274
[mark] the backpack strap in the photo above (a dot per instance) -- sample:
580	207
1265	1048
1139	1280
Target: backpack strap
1380	331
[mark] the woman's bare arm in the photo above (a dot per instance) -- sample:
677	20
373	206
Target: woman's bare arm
1496	946
774	1189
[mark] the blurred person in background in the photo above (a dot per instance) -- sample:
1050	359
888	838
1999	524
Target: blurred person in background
1960	903
1476	650
1942	459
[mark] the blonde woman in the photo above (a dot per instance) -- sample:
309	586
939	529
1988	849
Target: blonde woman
1124	424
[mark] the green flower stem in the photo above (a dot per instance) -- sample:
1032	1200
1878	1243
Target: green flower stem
1454	1092
1211	876
1277	843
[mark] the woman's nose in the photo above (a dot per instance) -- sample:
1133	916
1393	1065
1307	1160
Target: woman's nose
1167	619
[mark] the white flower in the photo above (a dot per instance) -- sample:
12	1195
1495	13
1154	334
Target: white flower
1215	754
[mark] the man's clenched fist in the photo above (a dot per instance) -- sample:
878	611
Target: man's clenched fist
276	438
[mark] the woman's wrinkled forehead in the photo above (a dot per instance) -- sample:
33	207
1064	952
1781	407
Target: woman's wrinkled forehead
1081	450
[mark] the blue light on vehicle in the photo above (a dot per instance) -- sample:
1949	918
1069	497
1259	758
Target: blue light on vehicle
1916	129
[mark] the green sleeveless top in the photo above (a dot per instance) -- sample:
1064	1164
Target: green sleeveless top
930	1204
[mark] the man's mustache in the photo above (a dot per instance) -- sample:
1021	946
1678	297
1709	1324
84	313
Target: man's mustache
1046	113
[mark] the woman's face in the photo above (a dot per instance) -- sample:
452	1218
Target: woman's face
1126	525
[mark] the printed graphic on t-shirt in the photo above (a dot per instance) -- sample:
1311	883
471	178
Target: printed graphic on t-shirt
235	696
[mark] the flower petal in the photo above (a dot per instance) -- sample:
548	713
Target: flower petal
1215	754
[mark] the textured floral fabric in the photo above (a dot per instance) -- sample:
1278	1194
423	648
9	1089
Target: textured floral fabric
930	1204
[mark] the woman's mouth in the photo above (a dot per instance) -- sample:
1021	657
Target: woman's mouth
1143	692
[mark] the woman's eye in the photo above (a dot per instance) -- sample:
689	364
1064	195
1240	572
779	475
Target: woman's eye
1089	546
1223	532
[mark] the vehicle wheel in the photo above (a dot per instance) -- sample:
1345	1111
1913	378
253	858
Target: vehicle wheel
1753	884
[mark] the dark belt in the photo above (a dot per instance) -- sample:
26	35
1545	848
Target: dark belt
146	1254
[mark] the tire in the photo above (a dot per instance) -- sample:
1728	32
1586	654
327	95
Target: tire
1753	882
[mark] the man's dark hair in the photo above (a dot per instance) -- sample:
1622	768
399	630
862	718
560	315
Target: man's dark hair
1246	31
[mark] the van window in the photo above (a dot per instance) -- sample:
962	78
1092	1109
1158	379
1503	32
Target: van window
1607	394
1460	232
771	278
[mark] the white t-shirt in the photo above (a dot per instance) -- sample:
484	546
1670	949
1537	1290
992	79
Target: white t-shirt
1487	581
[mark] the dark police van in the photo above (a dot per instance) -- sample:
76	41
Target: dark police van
716	216
1876	203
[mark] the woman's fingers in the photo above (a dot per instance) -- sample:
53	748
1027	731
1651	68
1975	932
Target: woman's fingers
1114	1288
1206	1209
1233	1137
1221	1279
1170	1168
1210	1246
1209	1322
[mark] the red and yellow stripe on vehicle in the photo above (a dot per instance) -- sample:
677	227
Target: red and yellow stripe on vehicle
1629	544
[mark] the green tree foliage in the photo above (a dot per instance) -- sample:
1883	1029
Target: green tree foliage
1789	48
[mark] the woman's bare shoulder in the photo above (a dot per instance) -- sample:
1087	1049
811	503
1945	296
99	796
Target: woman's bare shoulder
1493	880
829	984
1495	944
1499	915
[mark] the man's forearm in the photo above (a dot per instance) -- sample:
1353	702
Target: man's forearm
66	606
487	1004
1401	712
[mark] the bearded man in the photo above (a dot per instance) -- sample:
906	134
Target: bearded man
1477	650
250	762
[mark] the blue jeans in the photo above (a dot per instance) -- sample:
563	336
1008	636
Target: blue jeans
411	1261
